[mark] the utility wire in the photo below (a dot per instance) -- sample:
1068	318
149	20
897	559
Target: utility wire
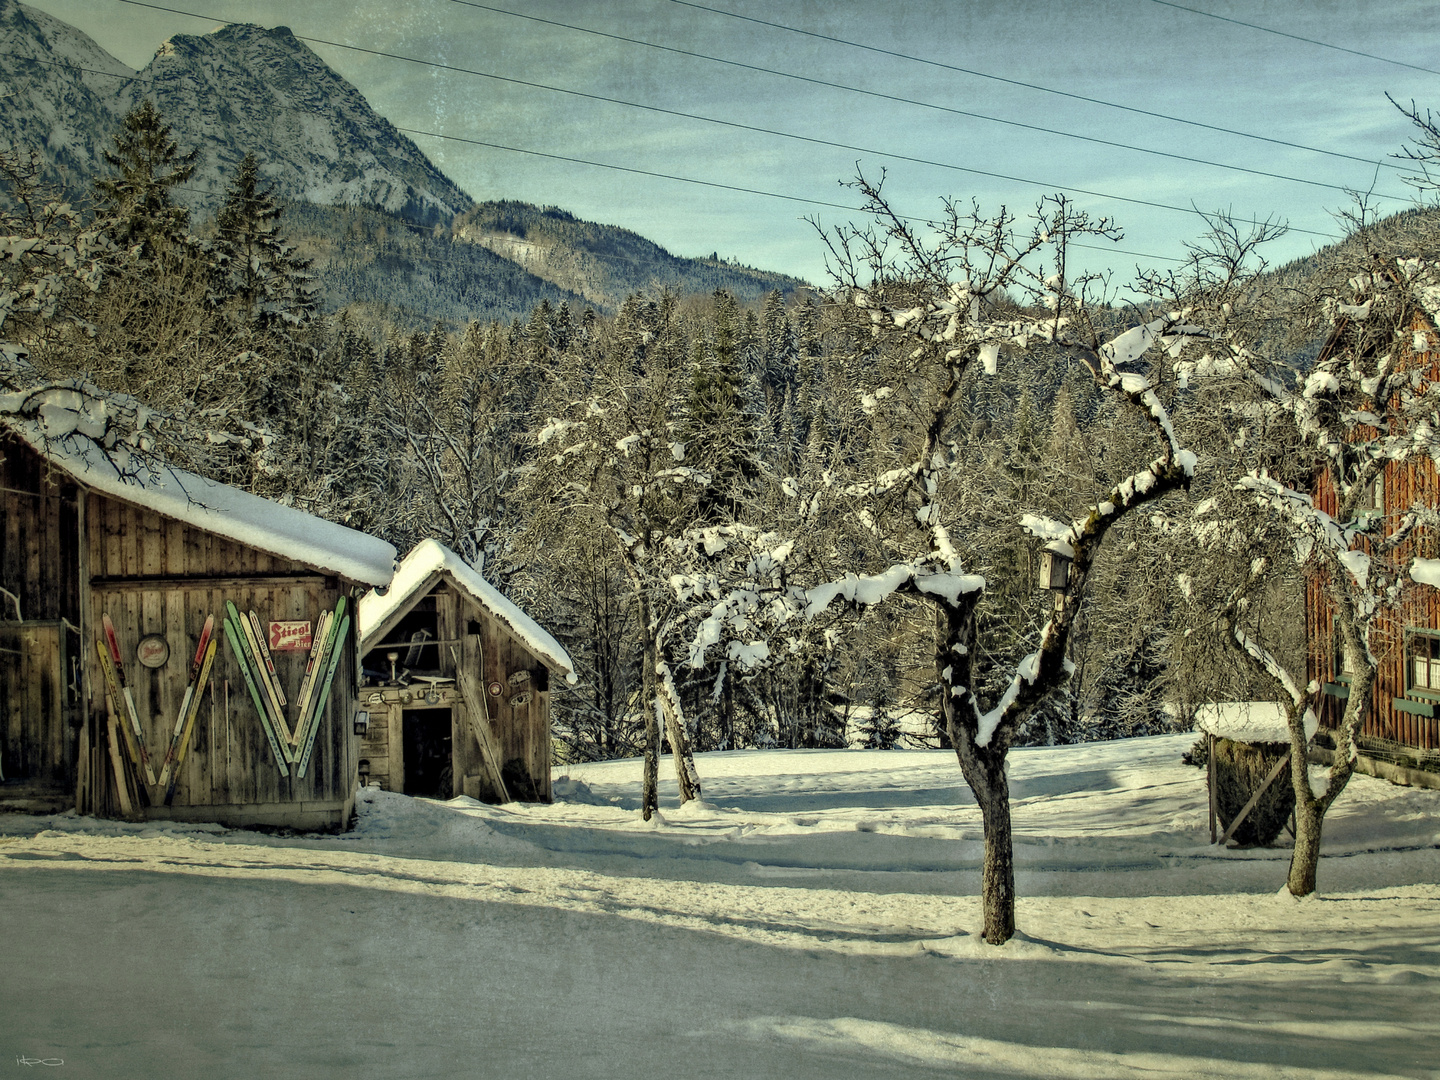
711	183
901	100
1191	210
1296	37
1028	85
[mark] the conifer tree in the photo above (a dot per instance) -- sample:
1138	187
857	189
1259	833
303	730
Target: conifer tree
136	202
259	278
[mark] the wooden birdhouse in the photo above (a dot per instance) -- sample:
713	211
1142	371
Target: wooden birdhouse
1054	570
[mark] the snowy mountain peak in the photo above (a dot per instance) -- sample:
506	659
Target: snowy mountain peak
59	89
242	87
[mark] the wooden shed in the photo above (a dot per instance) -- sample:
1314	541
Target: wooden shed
1402	726
457	685
90	535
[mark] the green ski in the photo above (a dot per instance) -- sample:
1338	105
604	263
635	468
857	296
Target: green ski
337	650
232	635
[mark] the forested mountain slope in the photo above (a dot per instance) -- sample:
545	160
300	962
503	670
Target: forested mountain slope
352	181
604	263
411	274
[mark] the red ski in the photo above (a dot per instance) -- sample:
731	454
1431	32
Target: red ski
169	762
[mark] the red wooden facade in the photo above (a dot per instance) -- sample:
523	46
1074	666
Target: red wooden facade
1404	712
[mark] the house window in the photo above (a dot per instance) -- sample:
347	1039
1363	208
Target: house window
1422	662
1372	501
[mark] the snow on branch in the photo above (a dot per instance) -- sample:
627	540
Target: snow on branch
873	589
1314	524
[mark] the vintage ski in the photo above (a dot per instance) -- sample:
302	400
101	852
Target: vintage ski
112	698
337	650
192	711
134	717
169	762
282	758
309	721
122	783
264	643
267	689
314	667
112	693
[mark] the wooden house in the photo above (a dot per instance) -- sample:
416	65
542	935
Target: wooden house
1400	735
457	685
91	532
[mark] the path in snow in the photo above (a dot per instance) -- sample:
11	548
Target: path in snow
814	918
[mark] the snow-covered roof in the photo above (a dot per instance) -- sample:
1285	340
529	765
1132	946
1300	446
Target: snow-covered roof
1248	721
420	571
61	431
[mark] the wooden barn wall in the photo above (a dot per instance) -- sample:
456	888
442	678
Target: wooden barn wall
1403	485
39	563
137	560
523	732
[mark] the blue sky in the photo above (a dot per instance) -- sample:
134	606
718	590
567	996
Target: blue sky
1143	54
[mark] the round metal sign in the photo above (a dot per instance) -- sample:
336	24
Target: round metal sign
153	651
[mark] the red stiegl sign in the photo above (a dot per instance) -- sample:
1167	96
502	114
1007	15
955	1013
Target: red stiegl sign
289	636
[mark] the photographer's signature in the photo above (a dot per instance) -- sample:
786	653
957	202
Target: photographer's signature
25	1059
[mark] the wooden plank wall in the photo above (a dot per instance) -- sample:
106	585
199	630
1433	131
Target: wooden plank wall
230	761
39	538
523	732
37	744
39	563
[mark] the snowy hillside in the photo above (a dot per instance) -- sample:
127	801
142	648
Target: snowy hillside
59	90
813	919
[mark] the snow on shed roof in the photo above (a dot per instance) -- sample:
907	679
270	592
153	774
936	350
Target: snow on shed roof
61	431
419	572
1248	721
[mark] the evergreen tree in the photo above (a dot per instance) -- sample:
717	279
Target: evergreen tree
136	204
258	277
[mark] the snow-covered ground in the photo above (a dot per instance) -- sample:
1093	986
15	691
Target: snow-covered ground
814	918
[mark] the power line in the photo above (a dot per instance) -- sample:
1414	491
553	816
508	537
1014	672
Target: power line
658	109
1031	86
712	183
1296	37
895	98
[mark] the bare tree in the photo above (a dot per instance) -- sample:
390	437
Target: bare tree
1328	450
944	310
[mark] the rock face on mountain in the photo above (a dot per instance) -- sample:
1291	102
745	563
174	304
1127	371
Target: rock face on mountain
237	89
245	88
58	94
340	165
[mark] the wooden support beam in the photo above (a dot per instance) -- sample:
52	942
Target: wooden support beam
1255	798
170	581
477	715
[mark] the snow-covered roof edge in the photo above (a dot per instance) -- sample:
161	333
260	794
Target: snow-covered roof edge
417	574
236	515
1248	721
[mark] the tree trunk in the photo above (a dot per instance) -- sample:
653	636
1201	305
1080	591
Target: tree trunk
650	785
1306	857
1310	810
984	770
686	775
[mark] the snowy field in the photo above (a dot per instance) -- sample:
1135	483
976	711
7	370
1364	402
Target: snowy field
814	918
